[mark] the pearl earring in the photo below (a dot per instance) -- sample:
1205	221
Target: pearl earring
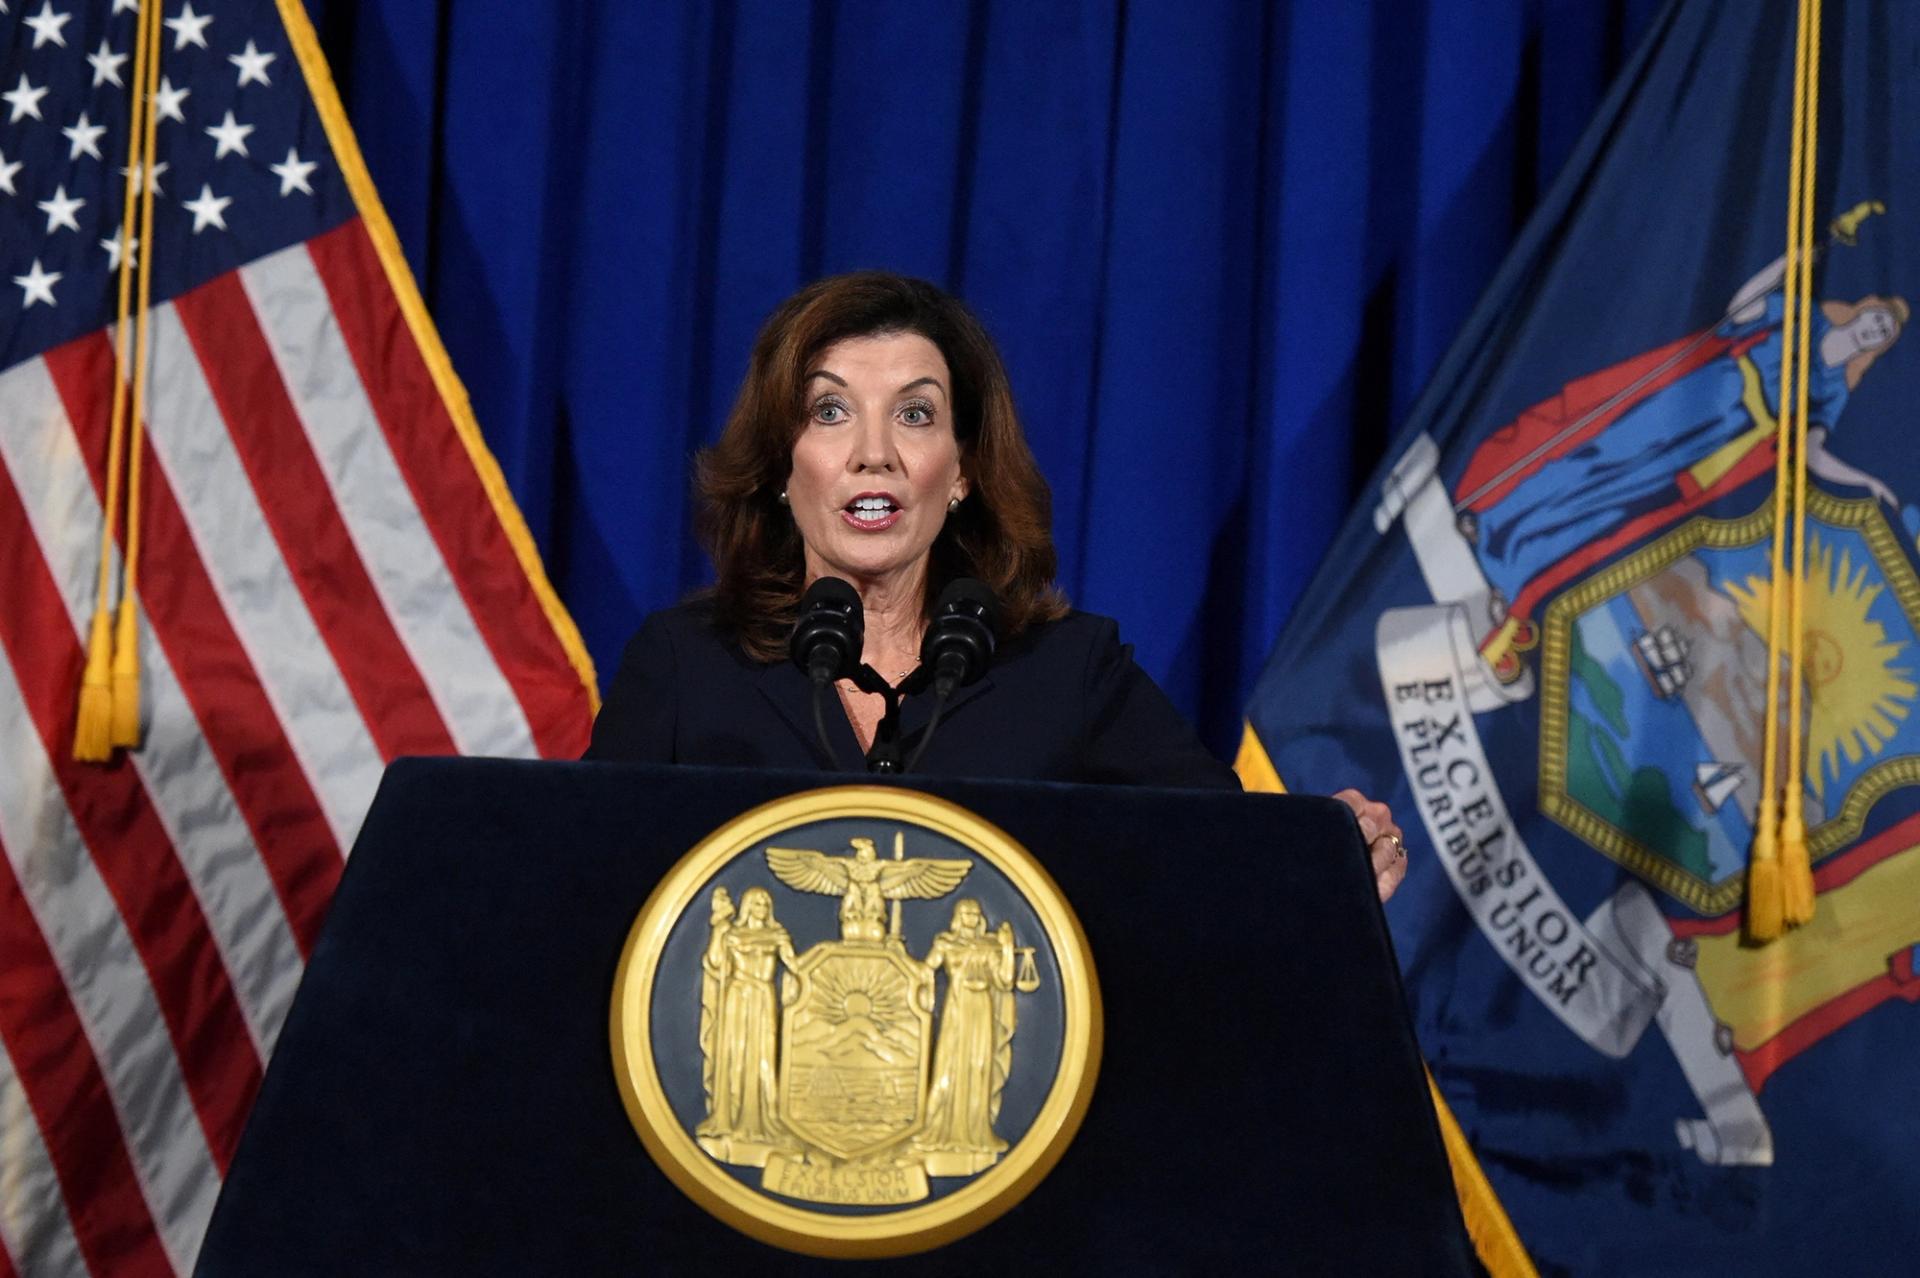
782	498
953	505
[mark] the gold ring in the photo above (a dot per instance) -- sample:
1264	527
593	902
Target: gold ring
1399	848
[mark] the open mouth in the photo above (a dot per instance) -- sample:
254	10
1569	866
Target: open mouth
873	510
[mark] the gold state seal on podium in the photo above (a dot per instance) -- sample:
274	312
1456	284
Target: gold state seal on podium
857	1021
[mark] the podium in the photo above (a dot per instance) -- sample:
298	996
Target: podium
442	1097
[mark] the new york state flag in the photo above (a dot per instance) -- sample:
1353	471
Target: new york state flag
1544	637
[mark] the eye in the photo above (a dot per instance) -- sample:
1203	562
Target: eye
917	412
830	411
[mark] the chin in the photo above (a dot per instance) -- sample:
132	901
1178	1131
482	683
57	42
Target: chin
870	565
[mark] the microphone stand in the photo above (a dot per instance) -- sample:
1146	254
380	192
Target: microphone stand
820	724
884	756
942	689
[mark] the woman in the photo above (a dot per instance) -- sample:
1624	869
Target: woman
743	1106
875	440
972	1056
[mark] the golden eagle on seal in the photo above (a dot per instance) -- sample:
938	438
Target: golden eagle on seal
864	882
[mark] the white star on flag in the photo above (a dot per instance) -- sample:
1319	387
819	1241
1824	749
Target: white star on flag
188	27
167	100
37	285
294	172
229	136
118	245
60	210
303	435
154	181
207	209
252	64
85	137
46	25
106	64
25	100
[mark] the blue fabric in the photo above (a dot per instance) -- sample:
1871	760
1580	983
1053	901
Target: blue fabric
1221	246
1542	640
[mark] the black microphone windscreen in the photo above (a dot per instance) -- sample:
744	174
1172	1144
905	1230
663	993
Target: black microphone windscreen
962	635
830	631
828	590
974	596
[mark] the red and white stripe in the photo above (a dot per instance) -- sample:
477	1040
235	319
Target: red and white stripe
325	584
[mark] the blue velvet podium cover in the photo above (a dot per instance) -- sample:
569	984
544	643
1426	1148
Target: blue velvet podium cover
442	1099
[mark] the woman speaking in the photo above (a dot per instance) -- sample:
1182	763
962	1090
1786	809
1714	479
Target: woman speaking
875	441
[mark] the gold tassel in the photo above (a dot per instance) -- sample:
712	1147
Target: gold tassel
1764	902
1796	879
1796	867
126	675
126	647
98	726
92	734
1774	886
1796	870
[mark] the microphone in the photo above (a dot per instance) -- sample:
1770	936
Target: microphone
828	637
960	639
958	647
831	630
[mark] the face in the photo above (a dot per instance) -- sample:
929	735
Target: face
966	917
1874	328
877	462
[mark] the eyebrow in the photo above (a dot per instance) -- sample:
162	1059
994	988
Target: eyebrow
837	380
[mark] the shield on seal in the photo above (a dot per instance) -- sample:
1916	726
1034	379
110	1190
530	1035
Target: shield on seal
855	1046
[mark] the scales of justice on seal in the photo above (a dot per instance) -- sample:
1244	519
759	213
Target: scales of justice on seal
870	1081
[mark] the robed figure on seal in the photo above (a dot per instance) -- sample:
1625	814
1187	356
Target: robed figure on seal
740	1028
974	1051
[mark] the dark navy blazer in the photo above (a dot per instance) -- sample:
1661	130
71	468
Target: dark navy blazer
1063	702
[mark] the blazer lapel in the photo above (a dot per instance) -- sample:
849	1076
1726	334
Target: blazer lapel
919	708
791	693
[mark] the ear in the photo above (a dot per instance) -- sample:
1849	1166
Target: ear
961	486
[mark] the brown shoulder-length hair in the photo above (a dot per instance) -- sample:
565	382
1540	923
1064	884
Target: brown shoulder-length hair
1001	534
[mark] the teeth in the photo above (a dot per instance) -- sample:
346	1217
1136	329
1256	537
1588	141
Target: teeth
871	509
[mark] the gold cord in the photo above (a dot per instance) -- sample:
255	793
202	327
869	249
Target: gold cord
1779	880
93	735
126	646
1796	869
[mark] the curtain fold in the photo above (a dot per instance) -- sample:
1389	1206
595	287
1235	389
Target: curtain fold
1221	246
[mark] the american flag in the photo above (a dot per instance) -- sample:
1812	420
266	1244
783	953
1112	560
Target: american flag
331	573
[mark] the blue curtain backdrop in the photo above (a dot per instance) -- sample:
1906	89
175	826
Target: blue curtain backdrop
1221	245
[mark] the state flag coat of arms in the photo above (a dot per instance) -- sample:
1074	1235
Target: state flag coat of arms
1548	637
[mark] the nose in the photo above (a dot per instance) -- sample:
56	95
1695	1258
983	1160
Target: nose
873	448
